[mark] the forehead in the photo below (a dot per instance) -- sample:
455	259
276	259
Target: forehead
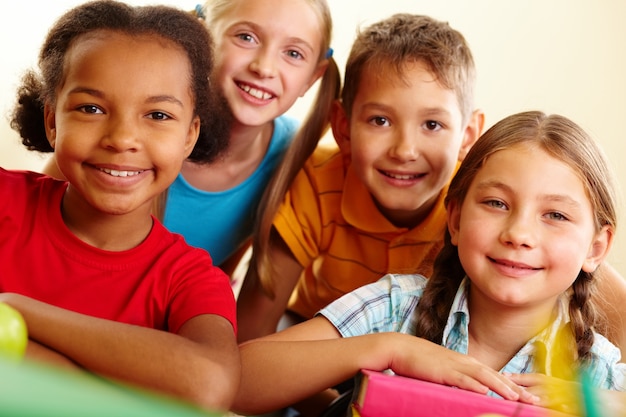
110	59
530	164
284	18
125	49
104	37
412	80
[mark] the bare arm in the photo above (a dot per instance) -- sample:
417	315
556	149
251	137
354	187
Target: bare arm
257	313
612	288
307	358
200	364
40	353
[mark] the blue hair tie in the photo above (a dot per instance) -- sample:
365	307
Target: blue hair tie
200	12
329	53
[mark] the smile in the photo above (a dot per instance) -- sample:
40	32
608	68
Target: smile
401	176
116	173
255	92
514	265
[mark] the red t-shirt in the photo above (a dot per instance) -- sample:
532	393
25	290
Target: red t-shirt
161	283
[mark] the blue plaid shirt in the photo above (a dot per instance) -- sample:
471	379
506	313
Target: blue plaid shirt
389	306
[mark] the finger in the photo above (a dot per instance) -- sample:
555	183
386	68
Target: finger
527	380
482	380
510	389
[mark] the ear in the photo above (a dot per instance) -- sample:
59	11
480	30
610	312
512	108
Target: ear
473	130
599	249
340	125
49	120
192	136
454	220
317	74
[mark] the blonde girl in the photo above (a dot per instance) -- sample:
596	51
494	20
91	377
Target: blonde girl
270	54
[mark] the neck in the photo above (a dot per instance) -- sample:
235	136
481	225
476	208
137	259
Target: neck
246	149
111	232
497	333
246	142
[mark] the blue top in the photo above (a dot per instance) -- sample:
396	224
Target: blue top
220	222
389	304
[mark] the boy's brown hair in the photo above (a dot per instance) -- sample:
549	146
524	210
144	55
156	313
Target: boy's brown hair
403	39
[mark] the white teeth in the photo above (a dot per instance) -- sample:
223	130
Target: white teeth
401	177
261	95
116	173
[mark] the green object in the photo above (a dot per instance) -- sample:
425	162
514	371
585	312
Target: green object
31	389
590	400
13	333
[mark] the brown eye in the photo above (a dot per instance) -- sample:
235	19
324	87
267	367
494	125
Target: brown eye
379	121
432	125
90	108
157	115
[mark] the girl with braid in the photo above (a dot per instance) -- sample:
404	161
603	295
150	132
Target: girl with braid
531	215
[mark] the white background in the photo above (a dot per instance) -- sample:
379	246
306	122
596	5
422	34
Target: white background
559	56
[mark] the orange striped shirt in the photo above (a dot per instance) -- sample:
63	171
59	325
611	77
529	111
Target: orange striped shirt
332	226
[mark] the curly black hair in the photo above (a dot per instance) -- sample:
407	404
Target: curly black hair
177	26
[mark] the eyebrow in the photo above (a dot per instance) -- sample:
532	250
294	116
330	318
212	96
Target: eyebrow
562	198
425	112
259	29
152	99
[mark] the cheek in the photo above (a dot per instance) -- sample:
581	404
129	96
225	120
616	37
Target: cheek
363	155
444	163
305	81
66	149
569	252
225	64
474	229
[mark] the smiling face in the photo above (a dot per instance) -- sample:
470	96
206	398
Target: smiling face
267	56
404	138
123	121
525	229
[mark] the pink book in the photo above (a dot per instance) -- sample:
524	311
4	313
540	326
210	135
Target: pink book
382	395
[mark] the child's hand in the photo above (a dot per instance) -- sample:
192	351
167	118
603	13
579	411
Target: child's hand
554	393
419	358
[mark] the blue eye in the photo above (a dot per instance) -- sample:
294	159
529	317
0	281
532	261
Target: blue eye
246	37
555	215
496	204
294	54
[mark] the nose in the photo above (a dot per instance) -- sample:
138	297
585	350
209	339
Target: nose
122	135
264	64
519	231
405	146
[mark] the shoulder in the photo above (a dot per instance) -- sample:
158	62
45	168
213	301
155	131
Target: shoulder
605	368
323	171
286	124
18	182
285	128
326	156
324	168
172	247
195	286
